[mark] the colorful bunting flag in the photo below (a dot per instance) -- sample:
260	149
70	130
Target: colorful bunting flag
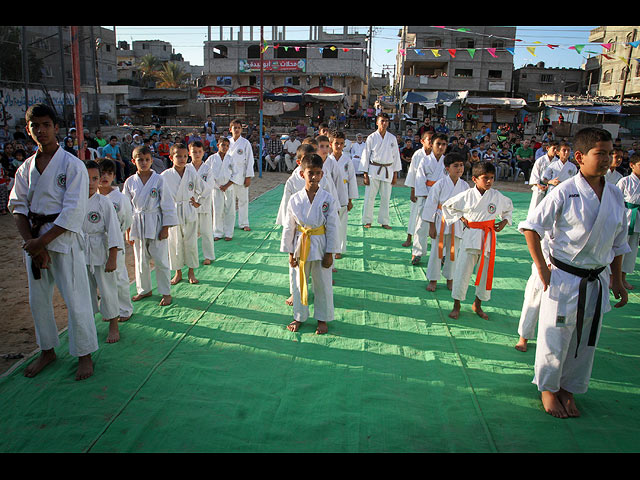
492	52
512	50
472	52
435	52
532	50
402	52
635	44
606	45
577	48
452	52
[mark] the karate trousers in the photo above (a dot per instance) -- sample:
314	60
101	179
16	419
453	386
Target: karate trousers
238	193
531	305
629	259
370	193
219	201
144	251
466	261
68	272
183	246
104	284
414	215
124	287
205	228
435	268
343	216
322	292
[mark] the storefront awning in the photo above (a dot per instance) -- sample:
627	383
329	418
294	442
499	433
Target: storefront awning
591	109
431	99
497	101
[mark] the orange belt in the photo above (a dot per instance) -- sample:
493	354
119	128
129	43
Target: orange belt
488	226
452	250
430	183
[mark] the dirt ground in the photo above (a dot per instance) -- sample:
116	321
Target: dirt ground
17	335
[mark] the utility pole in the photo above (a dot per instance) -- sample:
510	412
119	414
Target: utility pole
627	68
401	72
261	92
96	105
366	105
64	84
25	67
75	63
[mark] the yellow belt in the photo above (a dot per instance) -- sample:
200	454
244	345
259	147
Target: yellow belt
305	247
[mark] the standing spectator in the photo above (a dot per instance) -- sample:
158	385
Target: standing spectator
406	154
426	126
525	157
442	128
100	140
210	124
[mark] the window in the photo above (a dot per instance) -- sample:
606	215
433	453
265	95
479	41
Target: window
223	81
219	51
432	42
290	81
254	80
495	73
497	44
253	51
546	78
107	47
606	78
638	70
463	72
327	51
465	43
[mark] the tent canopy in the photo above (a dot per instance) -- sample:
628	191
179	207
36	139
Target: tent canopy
434	98
591	109
497	101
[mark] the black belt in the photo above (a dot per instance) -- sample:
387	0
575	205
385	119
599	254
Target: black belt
36	222
587	276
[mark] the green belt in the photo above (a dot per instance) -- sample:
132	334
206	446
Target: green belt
634	213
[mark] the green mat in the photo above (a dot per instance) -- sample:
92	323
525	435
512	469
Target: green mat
217	371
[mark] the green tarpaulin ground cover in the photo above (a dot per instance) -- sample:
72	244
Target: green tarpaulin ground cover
217	371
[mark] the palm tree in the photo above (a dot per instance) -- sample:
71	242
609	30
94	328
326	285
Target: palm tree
149	67
171	76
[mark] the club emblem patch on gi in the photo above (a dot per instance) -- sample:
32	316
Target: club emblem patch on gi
94	217
491	208
190	187
153	193
61	180
325	207
204	177
240	151
117	207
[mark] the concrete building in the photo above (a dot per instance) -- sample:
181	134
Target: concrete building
619	72
533	81
324	69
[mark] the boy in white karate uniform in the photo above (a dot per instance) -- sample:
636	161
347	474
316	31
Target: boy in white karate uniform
613	175
588	225
205	211
49	201
309	237
102	242
356	153
445	239
122	206
153	213
560	169
630	187
429	171
380	165
410	181
539	189
239	159
185	187
347	187
477	208
331	175
220	199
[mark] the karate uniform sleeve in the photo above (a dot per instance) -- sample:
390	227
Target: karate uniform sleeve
542	218
249	167
18	195
287	243
366	153
506	211
431	203
332	228
395	153
167	206
454	208
74	202
114	234
126	212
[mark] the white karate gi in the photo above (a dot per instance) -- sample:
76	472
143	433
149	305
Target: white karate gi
153	208
290	158
613	176
440	192
630	187
63	189
532	295
101	233
323	211
430	169
205	210
221	201
347	189
183	237
383	151
124	212
537	170
356	155
410	181
475	207
559	170
332	175
239	159
586	233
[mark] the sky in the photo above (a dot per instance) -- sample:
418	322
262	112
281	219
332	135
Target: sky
188	40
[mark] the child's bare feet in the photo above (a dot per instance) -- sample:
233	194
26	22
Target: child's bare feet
552	405
114	333
407	242
338	256
386	227
450	284
124	319
294	326
415	260
46	357
215	239
521	346
177	278
227	239
85	367
246	229
568	402
289	301
476	307
140	296
166	300
192	276
431	287
455	313
627	285
322	328
206	262
367	225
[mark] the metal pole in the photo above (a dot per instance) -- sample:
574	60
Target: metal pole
25	68
261	105
64	85
75	64
627	68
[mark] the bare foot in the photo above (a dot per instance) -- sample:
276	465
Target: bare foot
322	328
215	239
289	301
166	300
552	405
85	367
246	229
338	256
206	262
192	276
124	319
431	287
46	357
568	402
294	326
227	239
334	270
521	346
177	278
476	307
408	242
627	285
455	313
368	225
140	296
386	227
114	333
415	260
450	284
